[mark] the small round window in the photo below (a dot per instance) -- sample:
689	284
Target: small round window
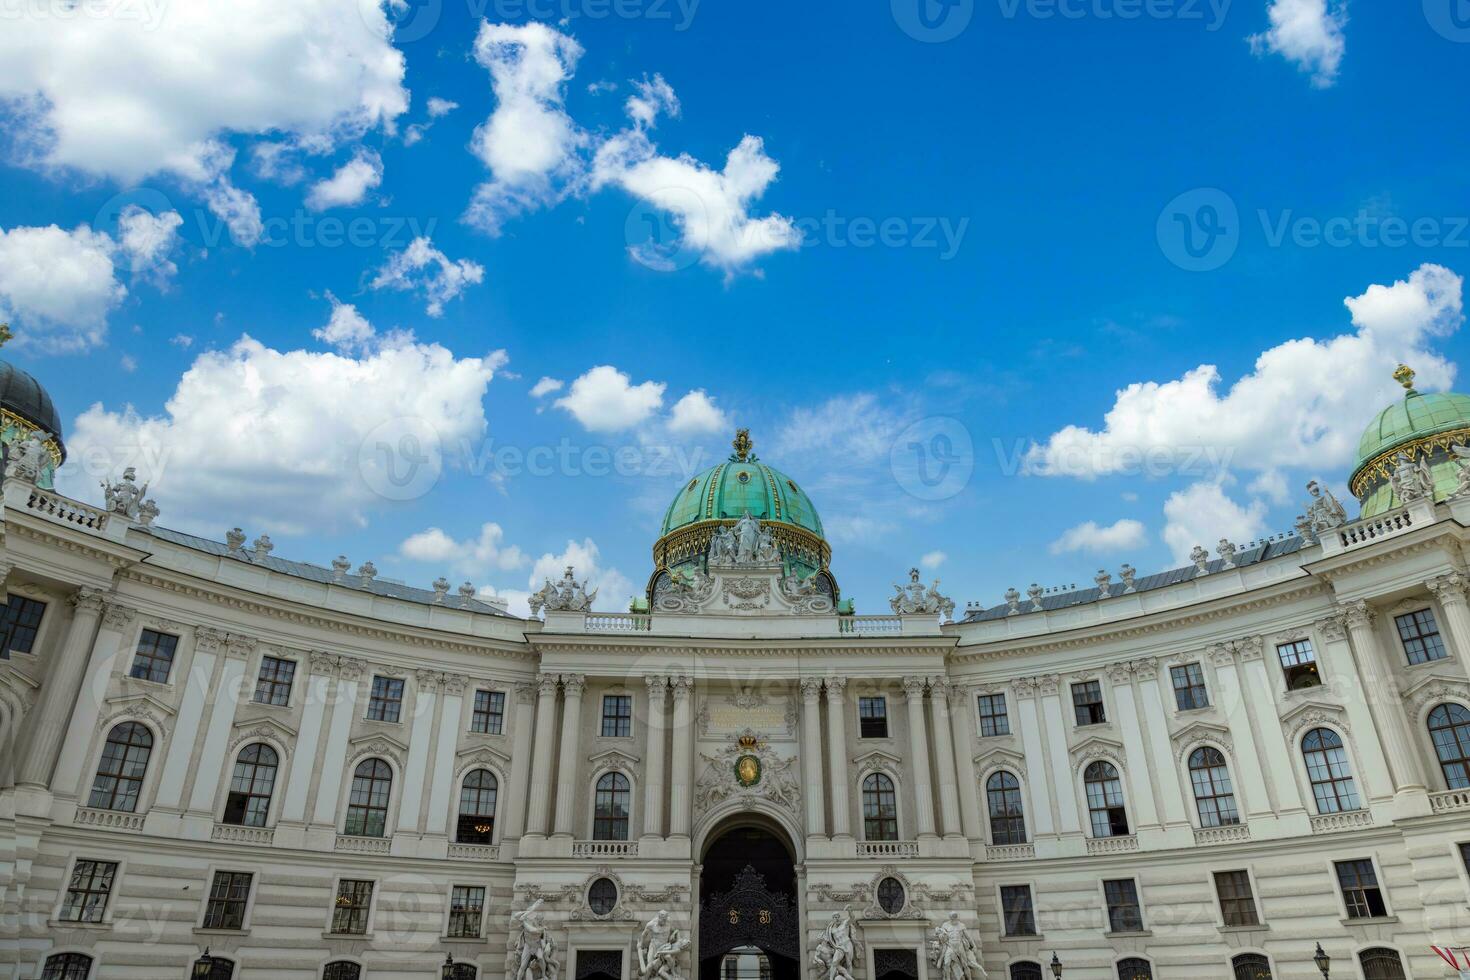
602	896
890	895
743	477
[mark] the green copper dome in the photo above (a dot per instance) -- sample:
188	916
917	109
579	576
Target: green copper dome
1421	425
742	483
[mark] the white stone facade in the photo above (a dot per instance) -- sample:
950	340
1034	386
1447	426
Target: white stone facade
791	684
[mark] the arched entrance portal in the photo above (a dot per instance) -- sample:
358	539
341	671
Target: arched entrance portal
749	916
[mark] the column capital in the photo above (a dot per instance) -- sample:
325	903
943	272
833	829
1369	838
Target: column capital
1448	588
1221	654
913	687
811	689
1358	614
682	685
1049	684
657	684
117	616
88	600
1024	687
351	668
428	680
573	684
1333	627
1250	648
207	639
455	684
1145	668
957	694
939	688
1120	673
239	647
546	685
836	687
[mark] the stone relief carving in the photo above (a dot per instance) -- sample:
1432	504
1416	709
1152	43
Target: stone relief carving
725	777
686	591
746	593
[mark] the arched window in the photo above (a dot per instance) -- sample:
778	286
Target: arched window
1007	817
67	966
341	970
367	807
1449	727
249	801
880	808
1327	768
120	773
477	808
1105	800
1213	795
1251	966
1381	963
1025	971
1135	968
610	807
219	969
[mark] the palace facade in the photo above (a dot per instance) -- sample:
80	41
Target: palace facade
316	774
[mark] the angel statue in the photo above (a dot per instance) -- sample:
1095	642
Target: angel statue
659	946
1462	470
531	945
954	953
835	953
1411	480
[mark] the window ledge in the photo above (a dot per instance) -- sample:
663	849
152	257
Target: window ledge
356	937
202	931
473	940
1373	920
1140	934
1426	663
72	924
1193	711
1034	937
1258	927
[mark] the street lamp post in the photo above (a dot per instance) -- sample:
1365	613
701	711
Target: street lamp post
1323	961
204	966
1056	965
448	971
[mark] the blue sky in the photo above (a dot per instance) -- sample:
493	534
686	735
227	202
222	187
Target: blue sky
1032	177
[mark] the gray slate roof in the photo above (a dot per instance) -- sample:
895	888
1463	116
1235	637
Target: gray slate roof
1260	552
315	573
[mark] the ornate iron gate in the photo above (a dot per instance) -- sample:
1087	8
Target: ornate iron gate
749	914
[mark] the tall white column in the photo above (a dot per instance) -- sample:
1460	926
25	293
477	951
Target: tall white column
1342	674
420	734
1141	797
317	677
1450	591
540	796
568	770
447	723
49	719
962	723
334	760
221	721
1278	757
949	800
524	699
1249	766
1039	807
1383	699
682	776
1055	723
84	716
811	756
1154	714
653	778
838	770
913	690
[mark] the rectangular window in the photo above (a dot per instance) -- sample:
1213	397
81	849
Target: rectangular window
1237	904
1299	664
993	717
19	619
1017	915
1360	891
488	717
1419	634
154	656
466	908
1087	702
617	715
1189	687
350	911
88	891
873	717
1124	914
227	898
1465	857
386	701
273	686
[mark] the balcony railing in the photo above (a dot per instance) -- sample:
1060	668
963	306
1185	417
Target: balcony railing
618	623
868	625
66	511
1222	835
243	835
1112	845
604	848
888	848
362	845
475	852
1375	528
1455	799
1336	823
111	819
1009	852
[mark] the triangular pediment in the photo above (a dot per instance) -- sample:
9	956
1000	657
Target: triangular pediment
1201	730
1303	708
374	738
614	757
141	700
266	726
1098	745
999	756
484	755
876	759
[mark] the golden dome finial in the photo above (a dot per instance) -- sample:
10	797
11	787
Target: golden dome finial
1404	375
742	444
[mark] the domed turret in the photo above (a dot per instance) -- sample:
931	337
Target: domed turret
1422	426
26	408
721	495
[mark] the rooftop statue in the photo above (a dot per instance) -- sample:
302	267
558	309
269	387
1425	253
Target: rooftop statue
124	496
914	599
1462	470
1411	480
29	458
749	542
568	595
1324	512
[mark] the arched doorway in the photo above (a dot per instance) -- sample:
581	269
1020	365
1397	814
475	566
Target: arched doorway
749	916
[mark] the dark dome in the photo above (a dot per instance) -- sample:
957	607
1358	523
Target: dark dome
22	394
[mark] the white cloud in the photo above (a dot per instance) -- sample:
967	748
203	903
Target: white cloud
128	363
696	413
529	143
424	269
478	556
1308	33
349	185
604	400
346	329
614	589
1304	404
933	559
182	340
845	427
440	107
147	239
650	98
127	90
282	440
1202	514
1270	484
1099	539
546	386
